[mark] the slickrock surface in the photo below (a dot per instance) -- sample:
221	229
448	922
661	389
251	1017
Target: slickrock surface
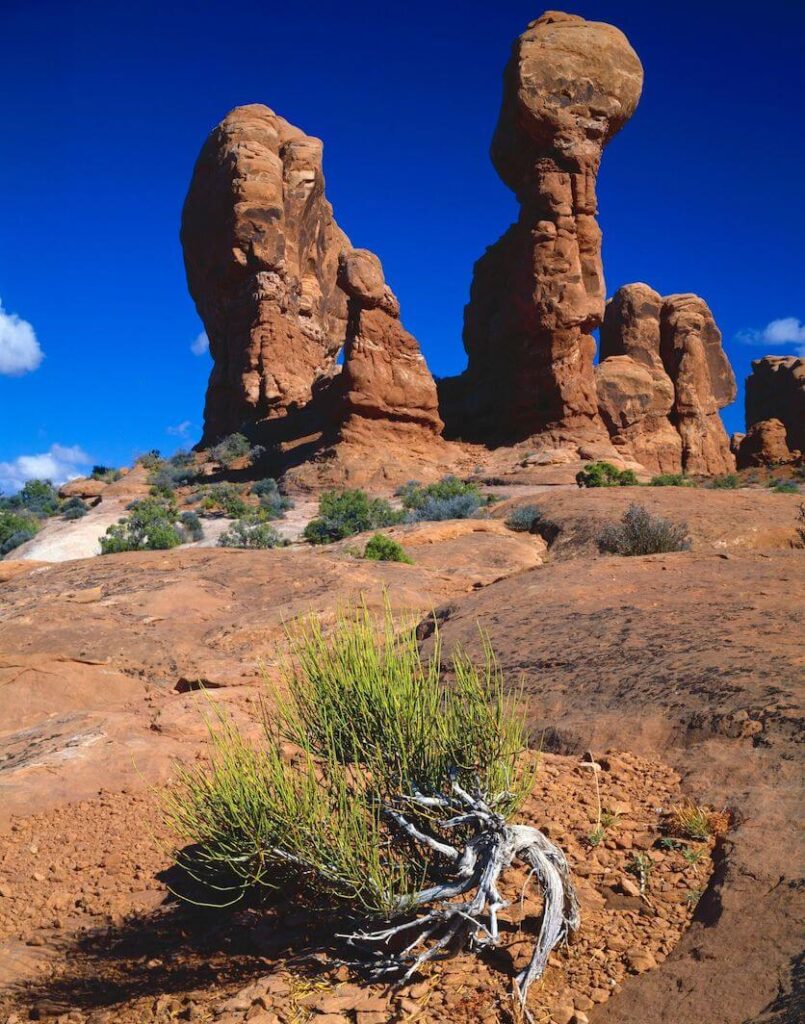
775	395
662	378
696	658
538	293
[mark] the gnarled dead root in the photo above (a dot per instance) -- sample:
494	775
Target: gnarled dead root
453	924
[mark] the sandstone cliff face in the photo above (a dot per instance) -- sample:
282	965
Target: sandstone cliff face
775	412
662	378
537	294
261	252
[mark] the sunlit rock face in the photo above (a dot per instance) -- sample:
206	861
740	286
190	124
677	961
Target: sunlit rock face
538	293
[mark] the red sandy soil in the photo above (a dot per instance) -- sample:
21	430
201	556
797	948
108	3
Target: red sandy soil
85	914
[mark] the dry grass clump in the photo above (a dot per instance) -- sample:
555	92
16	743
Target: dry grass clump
692	821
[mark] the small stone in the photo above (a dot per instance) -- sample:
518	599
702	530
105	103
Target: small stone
640	960
563	1014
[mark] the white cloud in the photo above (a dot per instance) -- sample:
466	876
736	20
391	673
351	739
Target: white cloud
201	345
180	430
59	464
19	350
788	330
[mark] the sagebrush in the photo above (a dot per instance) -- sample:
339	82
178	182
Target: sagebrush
641	533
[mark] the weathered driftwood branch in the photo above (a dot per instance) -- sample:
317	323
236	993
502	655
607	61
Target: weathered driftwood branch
452	924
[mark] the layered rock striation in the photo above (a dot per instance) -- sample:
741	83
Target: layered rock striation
538	293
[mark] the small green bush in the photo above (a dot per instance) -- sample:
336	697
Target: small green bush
106	474
345	513
523	518
671	480
272	503
450	498
16	528
232	448
641	533
38	497
251	532
150	460
727	482
604	474
74	508
784	486
223	498
150	526
385	549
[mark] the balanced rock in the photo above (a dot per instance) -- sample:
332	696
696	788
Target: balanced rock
775	412
261	252
538	293
662	378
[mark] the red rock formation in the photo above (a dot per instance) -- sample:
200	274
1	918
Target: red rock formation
662	378
690	346
635	393
385	376
775	412
261	252
538	293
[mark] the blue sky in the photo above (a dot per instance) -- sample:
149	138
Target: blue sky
107	105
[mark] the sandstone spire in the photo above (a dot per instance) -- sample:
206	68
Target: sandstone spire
538	293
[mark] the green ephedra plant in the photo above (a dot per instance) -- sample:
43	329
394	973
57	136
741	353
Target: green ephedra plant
399	804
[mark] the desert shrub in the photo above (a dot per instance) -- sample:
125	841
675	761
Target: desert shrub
37	497
223	498
784	486
351	696
190	527
641	533
151	459
523	518
105	473
345	513
450	498
604	474
74	508
385	549
234	447
251	531
272	502
150	526
16	528
177	471
398	782
671	480
727	482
